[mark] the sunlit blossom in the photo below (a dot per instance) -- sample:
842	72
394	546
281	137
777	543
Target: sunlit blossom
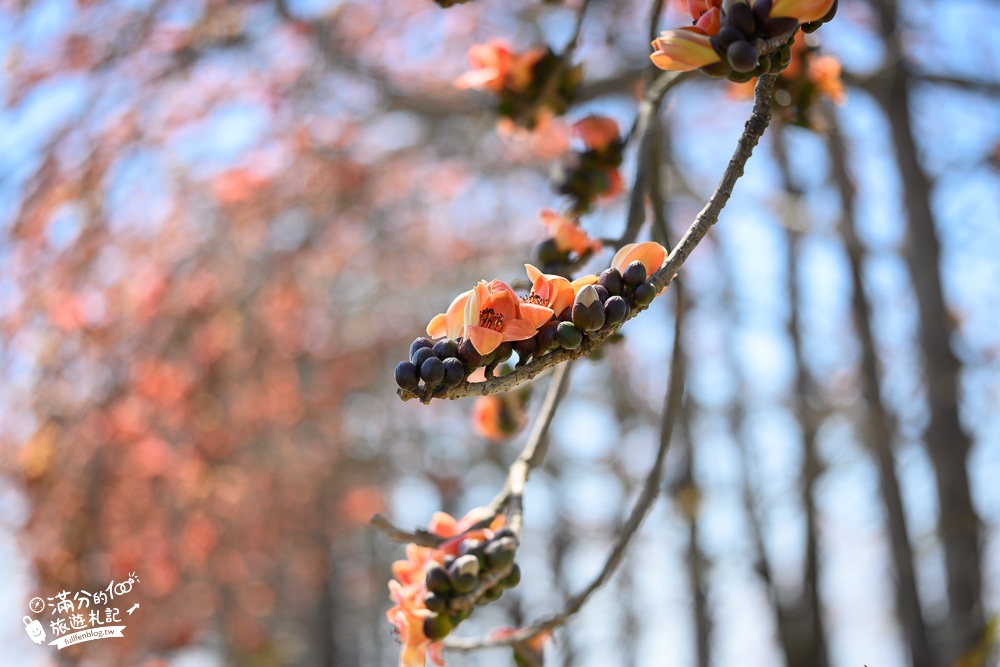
598	132
824	72
495	67
498	417
568	235
555	292
488	315
683	49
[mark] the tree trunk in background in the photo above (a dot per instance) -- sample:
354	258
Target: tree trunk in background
808	416
877	432
947	443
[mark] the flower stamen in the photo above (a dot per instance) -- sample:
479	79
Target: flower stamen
491	319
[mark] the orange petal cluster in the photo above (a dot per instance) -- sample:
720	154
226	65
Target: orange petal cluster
407	589
568	235
803	11
651	254
683	49
488	315
496	68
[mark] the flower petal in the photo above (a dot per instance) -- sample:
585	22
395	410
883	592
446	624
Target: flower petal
454	318
683	49
483	339
651	254
803	11
517	330
437	327
533	273
534	314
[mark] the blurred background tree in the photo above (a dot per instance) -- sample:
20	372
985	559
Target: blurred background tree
224	222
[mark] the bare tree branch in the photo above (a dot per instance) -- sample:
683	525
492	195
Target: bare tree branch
650	491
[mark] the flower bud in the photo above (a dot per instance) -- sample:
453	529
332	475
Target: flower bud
437	581
454	372
421	355
568	336
435	603
740	16
464	566
432	371
469	355
742	56
546	337
514	578
588	312
437	627
616	310
492	594
500	553
634	274
779	27
611	280
407	376
547	252
644	294
419	343
445	349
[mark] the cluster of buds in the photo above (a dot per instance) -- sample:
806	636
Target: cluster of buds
523	82
478	574
739	39
484	326
436	588
591	174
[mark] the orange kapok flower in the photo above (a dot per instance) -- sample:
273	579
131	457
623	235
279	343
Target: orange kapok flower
568	235
488	315
683	49
651	254
803	11
497	418
495	68
824	72
554	292
598	132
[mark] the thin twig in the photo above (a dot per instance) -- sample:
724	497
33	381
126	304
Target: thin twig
758	122
754	129
533	453
650	491
419	537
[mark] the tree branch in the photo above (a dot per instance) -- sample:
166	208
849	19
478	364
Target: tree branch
650	491
755	126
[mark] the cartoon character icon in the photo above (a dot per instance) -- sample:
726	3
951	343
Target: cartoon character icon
36	605
34	630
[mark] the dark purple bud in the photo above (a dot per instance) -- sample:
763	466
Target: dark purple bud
546	336
740	16
407	376
421	355
635	273
419	343
432	371
742	57
445	349
779	27
602	293
611	280
616	310
469	355
454	371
